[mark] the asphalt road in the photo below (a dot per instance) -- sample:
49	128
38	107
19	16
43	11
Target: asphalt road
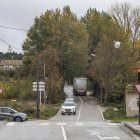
87	124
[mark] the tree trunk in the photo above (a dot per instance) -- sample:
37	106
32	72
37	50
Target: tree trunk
101	93
106	96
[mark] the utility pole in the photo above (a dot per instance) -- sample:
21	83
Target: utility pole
38	94
138	80
45	82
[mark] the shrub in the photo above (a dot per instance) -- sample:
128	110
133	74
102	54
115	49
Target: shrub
109	114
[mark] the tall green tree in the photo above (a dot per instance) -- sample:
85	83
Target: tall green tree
112	68
64	32
98	25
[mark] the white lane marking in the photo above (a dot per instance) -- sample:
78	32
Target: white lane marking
109	126
26	124
79	124
44	123
102	137
113	124
11	123
101	112
64	133
80	109
61	123
55	115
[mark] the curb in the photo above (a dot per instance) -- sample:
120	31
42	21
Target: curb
132	128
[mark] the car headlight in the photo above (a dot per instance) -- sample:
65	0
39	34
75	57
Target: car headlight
24	115
62	109
73	109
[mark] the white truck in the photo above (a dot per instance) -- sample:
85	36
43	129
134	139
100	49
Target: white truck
79	86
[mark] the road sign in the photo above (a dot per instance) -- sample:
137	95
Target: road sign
138	87
1	90
41	86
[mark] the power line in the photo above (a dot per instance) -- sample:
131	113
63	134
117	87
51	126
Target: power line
8	44
4	42
12	28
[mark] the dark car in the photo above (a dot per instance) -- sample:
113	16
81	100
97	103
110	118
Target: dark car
11	114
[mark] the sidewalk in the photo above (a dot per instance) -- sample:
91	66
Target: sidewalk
134	127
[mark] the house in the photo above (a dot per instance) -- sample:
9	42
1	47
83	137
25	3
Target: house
10	64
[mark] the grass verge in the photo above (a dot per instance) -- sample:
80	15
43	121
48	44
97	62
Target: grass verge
125	119
29	107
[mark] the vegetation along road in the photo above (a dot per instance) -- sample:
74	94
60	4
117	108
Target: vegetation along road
87	124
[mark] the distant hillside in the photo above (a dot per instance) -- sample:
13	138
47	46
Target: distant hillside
10	56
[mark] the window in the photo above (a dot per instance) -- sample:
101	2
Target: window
6	110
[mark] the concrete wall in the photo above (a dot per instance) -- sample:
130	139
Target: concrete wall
131	98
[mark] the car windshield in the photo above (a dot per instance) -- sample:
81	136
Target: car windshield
69	99
68	104
13	110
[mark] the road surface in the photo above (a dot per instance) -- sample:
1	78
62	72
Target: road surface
87	124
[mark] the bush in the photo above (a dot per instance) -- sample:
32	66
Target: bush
110	114
17	89
122	112
48	112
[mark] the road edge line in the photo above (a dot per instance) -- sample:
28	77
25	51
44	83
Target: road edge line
55	115
63	132
101	113
80	110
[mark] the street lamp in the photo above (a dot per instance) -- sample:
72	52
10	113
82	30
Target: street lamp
117	44
93	54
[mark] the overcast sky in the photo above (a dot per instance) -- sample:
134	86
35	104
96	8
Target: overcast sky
21	14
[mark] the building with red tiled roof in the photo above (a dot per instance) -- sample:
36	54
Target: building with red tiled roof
10	64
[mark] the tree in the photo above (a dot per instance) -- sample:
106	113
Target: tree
128	19
11	56
98	25
64	32
113	69
59	40
75	62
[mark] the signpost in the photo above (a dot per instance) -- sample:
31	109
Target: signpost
41	88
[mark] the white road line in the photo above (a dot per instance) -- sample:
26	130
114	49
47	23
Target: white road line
80	110
64	133
55	115
26	124
44	123
109	126
108	138
11	123
79	124
103	137
113	124
61	123
101	112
